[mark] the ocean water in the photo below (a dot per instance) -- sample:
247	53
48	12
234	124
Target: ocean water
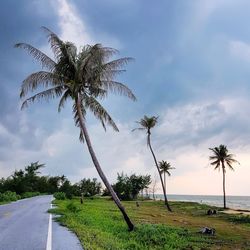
236	202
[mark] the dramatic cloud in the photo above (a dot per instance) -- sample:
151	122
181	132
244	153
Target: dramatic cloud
192	70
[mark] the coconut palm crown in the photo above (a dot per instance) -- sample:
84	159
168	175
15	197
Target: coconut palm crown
147	123
84	78
165	167
220	159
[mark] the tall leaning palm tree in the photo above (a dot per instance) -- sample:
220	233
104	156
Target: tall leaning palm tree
220	159
147	123
165	168
82	77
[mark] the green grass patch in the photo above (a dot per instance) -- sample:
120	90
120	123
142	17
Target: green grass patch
99	225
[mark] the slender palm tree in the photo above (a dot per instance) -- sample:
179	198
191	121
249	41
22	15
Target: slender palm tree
82	77
165	168
147	123
220	159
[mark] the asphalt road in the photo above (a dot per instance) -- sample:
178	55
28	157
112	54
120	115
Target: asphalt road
26	225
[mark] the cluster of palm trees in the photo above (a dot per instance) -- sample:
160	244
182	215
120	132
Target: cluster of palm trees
84	77
163	167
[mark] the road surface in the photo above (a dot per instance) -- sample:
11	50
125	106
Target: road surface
26	225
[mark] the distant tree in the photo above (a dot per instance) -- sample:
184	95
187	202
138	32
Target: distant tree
90	187
128	187
54	184
81	77
66	187
165	168
31	175
147	123
220	159
42	184
17	182
2	181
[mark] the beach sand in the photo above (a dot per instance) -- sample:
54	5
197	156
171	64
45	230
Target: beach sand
236	211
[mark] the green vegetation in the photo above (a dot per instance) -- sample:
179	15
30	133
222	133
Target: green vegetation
128	187
60	195
29	194
9	196
99	225
28	183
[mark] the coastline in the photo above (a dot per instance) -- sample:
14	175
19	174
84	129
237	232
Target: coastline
235	204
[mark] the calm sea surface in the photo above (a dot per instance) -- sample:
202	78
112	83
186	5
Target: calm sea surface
236	202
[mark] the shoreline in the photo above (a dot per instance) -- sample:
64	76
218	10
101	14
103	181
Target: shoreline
240	204
236	211
229	210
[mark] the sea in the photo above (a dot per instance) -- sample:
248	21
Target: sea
235	202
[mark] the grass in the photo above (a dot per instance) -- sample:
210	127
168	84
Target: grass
99	225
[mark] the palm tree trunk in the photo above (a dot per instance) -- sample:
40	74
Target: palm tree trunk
165	184
99	169
163	188
224	185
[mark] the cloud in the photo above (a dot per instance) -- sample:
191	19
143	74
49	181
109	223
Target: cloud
71	24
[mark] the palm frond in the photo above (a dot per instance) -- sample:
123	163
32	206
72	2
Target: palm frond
137	129
230	166
99	112
109	75
56	43
63	99
77	118
41	78
47	95
118	88
45	61
117	64
217	166
215	162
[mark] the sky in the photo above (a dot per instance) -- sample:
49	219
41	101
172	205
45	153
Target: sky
191	68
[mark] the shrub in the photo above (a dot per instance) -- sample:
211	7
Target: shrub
29	194
60	195
9	196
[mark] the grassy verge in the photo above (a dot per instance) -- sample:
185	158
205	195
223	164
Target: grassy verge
99	225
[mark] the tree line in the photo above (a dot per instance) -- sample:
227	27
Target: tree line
29	182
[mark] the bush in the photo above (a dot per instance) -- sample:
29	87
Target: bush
60	195
29	194
9	196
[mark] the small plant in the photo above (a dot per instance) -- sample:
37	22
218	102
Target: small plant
60	195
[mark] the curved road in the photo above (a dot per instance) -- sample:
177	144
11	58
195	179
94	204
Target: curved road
26	225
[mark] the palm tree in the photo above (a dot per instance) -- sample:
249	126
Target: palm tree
164	168
219	158
82	77
147	123
33	169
